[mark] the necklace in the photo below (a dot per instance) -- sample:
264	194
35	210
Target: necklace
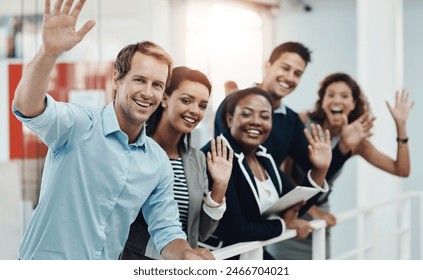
258	167
263	184
262	181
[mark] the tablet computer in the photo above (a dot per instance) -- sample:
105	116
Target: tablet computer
296	195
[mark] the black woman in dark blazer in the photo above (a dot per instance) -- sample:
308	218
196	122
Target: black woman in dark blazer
256	181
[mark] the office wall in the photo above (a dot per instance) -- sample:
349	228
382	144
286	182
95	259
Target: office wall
413	61
10	209
4	113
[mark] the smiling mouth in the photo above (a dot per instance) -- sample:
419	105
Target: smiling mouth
142	104
253	131
336	111
189	120
284	85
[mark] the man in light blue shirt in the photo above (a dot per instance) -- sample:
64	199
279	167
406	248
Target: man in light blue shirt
100	168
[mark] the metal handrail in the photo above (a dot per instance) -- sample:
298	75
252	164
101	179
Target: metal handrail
254	249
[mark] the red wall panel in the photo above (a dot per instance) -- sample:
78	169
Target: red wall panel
65	77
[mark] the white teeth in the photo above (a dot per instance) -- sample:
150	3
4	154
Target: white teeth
142	104
336	110
253	131
284	85
190	120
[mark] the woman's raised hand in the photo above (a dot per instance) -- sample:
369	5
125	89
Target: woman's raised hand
219	164
319	148
402	107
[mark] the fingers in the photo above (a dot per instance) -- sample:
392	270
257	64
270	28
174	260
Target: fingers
308	136
213	148
314	132
345	119
405	99
77	9
302	227
366	121
332	221
57	7
209	159
397	97
363	118
67	10
67	7
220	147
227	153
404	96
311	137
368	124
230	156
47	8
411	105
401	96
86	28
298	206
320	135
205	254
327	132
316	135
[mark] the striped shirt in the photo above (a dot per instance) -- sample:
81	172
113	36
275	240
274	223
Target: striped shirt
180	190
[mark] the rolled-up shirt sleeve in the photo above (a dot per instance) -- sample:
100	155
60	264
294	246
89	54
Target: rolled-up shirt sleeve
60	124
161	212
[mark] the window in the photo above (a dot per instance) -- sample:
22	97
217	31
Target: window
225	41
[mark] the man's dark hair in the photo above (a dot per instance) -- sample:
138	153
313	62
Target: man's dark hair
293	47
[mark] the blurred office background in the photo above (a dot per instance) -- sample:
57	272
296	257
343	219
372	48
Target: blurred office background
378	42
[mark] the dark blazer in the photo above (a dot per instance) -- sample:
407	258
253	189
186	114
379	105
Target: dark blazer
242	220
200	225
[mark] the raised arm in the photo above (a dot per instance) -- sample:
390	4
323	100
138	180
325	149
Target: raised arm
59	35
400	166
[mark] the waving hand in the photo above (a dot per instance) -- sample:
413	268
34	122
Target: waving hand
59	34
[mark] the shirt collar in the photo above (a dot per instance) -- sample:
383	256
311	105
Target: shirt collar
281	109
111	124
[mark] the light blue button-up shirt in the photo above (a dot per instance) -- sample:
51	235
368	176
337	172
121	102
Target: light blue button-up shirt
94	184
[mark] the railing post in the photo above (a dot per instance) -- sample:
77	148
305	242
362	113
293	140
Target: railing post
319	240
404	222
